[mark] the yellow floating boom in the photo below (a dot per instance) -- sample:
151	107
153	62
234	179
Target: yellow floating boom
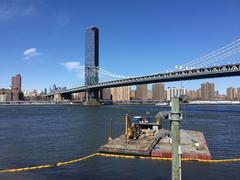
112	156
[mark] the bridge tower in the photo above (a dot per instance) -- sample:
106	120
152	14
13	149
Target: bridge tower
92	63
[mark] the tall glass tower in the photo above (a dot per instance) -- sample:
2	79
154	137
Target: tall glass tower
91	56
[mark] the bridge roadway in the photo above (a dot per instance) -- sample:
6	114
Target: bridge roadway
191	74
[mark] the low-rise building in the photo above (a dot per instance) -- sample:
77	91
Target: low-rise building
238	93
121	93
106	94
175	92
141	92
6	95
231	93
207	91
133	95
158	92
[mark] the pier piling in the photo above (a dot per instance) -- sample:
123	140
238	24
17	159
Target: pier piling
175	117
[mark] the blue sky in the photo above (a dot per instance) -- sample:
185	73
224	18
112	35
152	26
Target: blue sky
41	38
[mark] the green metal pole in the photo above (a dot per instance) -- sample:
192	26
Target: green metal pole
175	105
175	130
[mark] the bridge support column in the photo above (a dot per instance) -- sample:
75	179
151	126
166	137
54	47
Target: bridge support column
57	97
92	97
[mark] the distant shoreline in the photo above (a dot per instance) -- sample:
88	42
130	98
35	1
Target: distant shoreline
25	103
214	102
36	103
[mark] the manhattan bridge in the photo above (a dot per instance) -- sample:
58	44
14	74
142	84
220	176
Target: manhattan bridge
223	62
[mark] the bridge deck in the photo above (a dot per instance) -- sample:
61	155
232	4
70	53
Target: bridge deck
191	74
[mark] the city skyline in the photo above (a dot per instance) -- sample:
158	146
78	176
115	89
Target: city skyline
48	52
148	87
156	92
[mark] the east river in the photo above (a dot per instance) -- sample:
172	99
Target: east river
36	135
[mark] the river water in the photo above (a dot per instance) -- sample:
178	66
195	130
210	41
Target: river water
36	135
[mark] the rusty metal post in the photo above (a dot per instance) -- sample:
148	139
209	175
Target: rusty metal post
126	127
110	132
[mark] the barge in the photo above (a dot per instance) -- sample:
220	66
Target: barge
145	138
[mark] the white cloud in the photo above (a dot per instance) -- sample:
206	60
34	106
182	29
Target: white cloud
76	67
13	8
30	53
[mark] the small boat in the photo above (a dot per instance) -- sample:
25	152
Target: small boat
162	104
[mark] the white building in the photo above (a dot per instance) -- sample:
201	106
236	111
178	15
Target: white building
3	97
171	92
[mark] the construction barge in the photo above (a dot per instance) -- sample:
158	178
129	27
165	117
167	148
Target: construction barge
145	138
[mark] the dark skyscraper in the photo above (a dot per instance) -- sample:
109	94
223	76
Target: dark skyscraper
45	91
91	56
16	88
16	82
92	61
54	88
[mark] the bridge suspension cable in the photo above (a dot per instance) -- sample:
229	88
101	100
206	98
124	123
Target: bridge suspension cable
105	75
222	57
215	56
109	74
220	50
227	52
